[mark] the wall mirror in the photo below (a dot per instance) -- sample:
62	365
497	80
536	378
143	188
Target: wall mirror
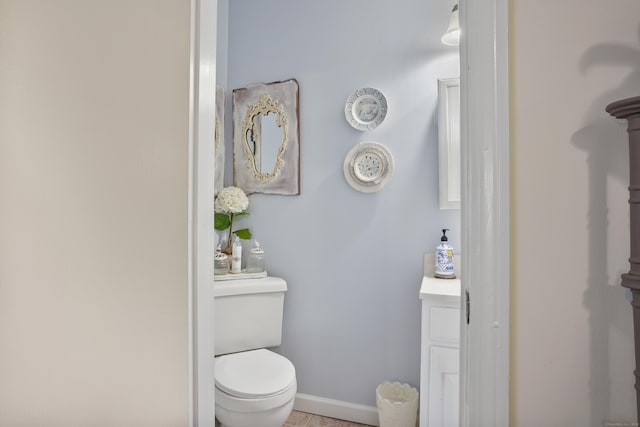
218	146
449	142
266	147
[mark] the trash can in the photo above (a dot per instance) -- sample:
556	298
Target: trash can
397	404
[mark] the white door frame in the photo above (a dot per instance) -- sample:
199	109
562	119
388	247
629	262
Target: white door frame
485	213
202	91
484	89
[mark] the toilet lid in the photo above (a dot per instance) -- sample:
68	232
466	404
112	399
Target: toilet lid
255	373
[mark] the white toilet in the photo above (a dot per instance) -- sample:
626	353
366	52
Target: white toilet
254	386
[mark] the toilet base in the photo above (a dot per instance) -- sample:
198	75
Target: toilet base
274	417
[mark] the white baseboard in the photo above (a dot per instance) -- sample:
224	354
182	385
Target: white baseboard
354	412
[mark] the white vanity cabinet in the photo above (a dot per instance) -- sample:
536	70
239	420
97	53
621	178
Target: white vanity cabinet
440	352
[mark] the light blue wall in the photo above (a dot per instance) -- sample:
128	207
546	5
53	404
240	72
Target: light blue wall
353	261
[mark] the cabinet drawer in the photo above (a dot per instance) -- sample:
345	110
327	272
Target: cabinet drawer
444	324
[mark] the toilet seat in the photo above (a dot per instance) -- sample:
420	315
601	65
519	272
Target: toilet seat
255	374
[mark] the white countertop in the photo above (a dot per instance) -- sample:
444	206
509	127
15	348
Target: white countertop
434	286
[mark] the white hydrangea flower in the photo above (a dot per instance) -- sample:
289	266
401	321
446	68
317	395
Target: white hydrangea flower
231	200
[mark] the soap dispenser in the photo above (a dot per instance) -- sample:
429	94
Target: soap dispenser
444	258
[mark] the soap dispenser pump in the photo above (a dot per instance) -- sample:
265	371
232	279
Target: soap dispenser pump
444	258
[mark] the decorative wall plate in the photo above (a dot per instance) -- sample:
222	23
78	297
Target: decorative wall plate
365	109
368	166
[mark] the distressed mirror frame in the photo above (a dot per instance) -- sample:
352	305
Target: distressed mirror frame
219	142
449	142
249	104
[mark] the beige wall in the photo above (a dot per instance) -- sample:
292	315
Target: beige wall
93	212
572	344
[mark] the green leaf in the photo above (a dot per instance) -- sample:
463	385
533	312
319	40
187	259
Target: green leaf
244	233
221	221
243	213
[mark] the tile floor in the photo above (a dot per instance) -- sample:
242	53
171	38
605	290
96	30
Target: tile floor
302	419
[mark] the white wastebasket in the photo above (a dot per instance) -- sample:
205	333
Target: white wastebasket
397	404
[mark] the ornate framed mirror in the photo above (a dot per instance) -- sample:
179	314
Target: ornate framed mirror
266	133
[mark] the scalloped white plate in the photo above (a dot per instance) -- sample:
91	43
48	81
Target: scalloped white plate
366	108
368	167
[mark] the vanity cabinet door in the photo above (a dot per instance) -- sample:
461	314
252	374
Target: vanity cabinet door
440	360
444	387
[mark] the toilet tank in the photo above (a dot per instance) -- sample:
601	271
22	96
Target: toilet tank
248	313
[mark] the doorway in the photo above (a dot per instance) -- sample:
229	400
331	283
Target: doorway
485	215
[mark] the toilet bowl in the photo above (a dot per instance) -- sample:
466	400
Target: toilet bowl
254	388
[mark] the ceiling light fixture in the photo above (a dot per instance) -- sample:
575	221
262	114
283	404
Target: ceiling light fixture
451	37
